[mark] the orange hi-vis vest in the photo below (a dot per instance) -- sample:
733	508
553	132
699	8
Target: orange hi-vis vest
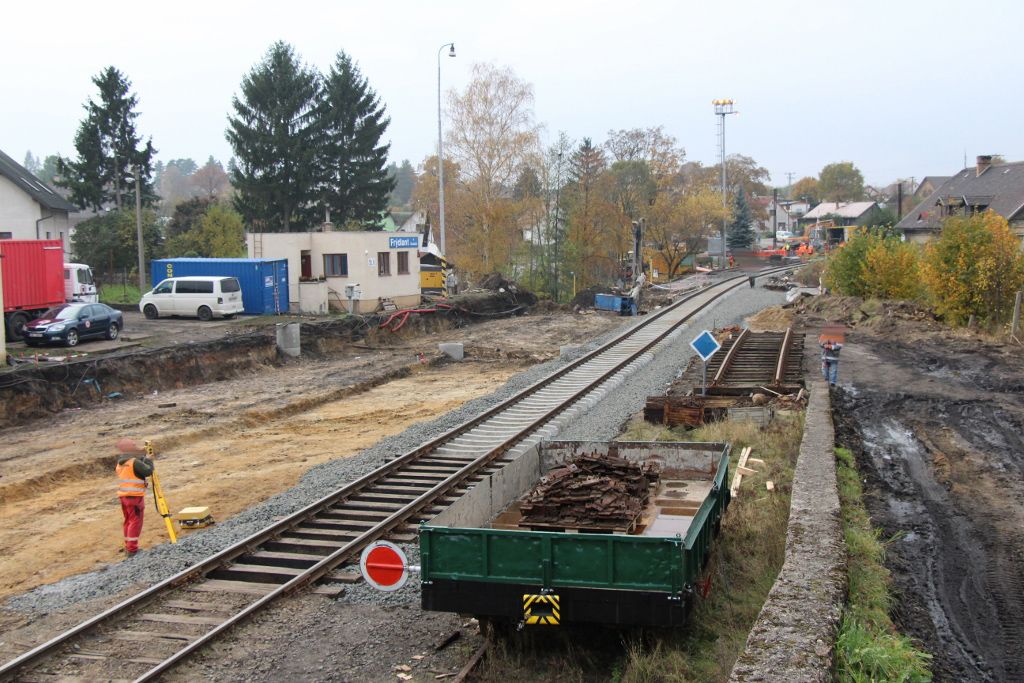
127	483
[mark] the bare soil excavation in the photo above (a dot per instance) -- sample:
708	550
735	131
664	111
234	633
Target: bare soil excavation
233	443
936	419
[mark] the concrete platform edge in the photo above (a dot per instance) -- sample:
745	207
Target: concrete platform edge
793	638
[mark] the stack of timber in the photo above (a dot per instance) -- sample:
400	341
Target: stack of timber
597	493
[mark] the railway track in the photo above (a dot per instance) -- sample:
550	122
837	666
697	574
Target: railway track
178	616
752	360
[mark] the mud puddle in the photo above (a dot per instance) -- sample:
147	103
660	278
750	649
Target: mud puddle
936	426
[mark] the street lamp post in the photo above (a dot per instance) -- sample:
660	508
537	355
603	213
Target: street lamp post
722	109
440	148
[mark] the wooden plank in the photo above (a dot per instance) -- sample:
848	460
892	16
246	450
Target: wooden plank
196	606
223	586
746	471
309	543
264	569
151	635
738	477
770	485
343	576
756	461
180	619
100	656
332	591
274	555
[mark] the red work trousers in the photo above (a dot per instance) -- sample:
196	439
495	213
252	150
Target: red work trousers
132	507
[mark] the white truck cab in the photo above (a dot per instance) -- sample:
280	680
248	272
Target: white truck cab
79	284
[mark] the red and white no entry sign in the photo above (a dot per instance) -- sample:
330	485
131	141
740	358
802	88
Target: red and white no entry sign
384	566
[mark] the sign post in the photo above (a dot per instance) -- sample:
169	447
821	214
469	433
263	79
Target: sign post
705	345
385	566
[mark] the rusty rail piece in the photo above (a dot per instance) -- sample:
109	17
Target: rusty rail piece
399	491
780	366
730	356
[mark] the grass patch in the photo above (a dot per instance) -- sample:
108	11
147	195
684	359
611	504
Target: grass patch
123	293
745	560
869	647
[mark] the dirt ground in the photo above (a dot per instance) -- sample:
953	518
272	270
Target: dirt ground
258	433
936	419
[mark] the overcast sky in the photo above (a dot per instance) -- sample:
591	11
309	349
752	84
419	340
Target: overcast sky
899	88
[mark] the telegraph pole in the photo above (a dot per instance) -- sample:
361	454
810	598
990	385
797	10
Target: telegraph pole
722	109
138	231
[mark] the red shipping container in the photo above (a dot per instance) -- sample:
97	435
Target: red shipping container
33	272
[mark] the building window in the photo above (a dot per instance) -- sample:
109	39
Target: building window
336	265
383	263
6	235
403	263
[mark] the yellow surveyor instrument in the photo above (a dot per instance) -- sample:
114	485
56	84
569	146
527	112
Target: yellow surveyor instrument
158	496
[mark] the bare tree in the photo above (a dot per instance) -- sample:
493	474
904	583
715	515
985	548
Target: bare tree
492	133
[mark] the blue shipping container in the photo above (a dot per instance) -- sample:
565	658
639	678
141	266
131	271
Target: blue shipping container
264	281
622	305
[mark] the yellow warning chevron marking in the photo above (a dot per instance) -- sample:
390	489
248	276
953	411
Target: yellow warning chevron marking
541	609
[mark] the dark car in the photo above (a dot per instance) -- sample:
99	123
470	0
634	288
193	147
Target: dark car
69	323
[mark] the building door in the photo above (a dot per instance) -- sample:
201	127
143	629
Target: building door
306	266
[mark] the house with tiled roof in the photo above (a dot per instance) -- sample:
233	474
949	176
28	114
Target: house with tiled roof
843	215
29	208
928	184
978	188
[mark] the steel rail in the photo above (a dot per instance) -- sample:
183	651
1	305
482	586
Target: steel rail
345	552
780	366
730	356
329	562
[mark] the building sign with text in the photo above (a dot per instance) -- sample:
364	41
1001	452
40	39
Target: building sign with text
410	242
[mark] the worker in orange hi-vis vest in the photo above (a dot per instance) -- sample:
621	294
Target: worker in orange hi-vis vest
133	467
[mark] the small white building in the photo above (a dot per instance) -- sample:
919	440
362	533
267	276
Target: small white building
30	209
344	271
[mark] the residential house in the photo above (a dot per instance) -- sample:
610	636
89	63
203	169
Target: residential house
973	190
844	215
929	184
29	208
785	216
357	272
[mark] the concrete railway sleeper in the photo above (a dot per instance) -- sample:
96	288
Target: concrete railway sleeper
314	542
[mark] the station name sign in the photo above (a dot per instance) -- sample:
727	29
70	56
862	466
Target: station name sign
410	242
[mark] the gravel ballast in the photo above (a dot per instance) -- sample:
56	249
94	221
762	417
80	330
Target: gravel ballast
602	421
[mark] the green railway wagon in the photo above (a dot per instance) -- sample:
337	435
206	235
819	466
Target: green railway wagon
479	557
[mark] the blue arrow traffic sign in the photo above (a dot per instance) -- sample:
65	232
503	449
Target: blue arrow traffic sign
705	345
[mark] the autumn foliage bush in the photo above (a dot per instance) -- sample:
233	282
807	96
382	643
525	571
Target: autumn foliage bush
975	267
873	265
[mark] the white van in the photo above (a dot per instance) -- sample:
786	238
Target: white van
79	284
203	296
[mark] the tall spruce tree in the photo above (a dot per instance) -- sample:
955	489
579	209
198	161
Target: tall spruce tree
109	148
355	184
741	230
275	135
405	181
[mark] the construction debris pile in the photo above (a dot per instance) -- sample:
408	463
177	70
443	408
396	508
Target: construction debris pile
592	492
780	283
